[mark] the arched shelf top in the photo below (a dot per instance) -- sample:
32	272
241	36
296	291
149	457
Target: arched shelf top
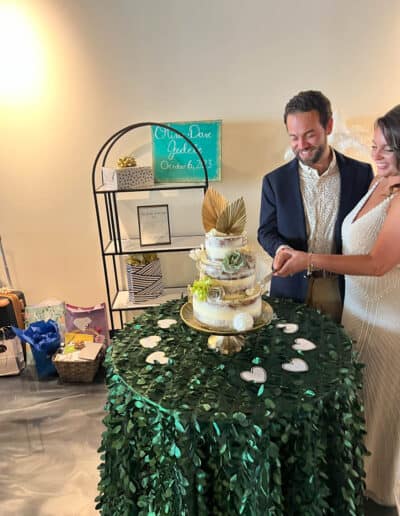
105	149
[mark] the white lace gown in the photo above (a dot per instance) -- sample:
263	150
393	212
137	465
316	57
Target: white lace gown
371	316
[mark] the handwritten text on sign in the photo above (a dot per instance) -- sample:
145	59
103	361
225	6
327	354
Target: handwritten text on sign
174	159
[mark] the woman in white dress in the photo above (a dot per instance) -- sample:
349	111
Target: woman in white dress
371	313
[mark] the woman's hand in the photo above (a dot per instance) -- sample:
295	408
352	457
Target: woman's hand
290	263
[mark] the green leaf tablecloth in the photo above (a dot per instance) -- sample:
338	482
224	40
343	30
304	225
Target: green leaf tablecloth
191	437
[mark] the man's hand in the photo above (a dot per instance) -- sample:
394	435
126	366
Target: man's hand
280	258
291	263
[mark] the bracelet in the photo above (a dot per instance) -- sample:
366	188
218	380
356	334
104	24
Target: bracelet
310	266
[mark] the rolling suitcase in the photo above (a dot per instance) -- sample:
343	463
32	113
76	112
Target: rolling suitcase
13	312
7	313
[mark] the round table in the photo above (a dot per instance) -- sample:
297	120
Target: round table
203	434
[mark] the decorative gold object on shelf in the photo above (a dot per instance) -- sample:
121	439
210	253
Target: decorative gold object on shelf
126	161
141	258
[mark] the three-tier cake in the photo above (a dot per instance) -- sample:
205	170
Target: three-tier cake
226	296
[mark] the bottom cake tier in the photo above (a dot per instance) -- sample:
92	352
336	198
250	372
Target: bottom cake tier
227	314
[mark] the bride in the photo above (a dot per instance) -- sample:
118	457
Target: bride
371	314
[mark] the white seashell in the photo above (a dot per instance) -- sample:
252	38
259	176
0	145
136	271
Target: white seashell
296	365
243	322
256	375
303	345
150	342
166	323
288	327
157	357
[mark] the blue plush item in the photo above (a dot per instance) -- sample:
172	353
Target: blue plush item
44	339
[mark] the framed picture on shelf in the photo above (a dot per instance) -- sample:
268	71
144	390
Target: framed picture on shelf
154	224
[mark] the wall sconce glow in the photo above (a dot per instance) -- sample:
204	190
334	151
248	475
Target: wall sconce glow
21	56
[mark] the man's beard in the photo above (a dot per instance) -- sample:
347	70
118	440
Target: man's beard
318	152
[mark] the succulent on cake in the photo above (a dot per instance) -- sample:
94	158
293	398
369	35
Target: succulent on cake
233	262
228	218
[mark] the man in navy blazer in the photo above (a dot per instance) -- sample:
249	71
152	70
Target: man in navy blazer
304	202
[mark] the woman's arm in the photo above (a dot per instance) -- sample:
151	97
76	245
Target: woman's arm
383	257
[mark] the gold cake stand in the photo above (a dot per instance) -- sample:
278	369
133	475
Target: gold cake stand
226	342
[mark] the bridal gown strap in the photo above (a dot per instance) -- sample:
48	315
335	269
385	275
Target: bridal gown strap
371	316
354	213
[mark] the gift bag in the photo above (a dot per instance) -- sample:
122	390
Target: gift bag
144	277
88	320
11	354
44	340
49	309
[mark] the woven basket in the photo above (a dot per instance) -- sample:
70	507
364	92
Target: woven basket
77	372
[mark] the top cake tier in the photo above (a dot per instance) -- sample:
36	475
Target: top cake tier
219	246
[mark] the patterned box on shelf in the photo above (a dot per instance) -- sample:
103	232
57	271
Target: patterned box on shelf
144	281
128	177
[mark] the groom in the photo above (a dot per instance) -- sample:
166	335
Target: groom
304	202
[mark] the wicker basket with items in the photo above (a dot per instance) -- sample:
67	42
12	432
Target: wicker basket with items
80	358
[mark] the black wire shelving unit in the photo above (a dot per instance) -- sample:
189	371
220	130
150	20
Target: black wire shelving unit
111	244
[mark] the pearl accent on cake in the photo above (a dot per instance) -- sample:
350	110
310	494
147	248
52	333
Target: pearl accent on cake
242	322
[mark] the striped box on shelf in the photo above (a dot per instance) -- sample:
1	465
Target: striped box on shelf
144	277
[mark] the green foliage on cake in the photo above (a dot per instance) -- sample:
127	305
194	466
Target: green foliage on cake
201	287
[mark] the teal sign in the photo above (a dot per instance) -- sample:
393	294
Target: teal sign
174	159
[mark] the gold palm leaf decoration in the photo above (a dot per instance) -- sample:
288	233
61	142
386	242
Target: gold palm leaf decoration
213	205
233	219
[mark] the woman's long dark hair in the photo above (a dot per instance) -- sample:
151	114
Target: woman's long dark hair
389	124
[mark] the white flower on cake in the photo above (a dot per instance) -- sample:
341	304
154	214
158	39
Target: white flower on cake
242	322
196	254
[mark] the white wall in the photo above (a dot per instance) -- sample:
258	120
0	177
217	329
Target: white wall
111	63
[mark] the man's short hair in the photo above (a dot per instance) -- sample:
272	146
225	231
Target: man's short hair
310	100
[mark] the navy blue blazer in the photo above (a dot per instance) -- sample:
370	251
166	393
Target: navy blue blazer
282	219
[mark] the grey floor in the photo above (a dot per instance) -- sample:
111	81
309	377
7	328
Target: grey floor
49	436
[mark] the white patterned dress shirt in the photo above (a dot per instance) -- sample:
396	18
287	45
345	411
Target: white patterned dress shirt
321	194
